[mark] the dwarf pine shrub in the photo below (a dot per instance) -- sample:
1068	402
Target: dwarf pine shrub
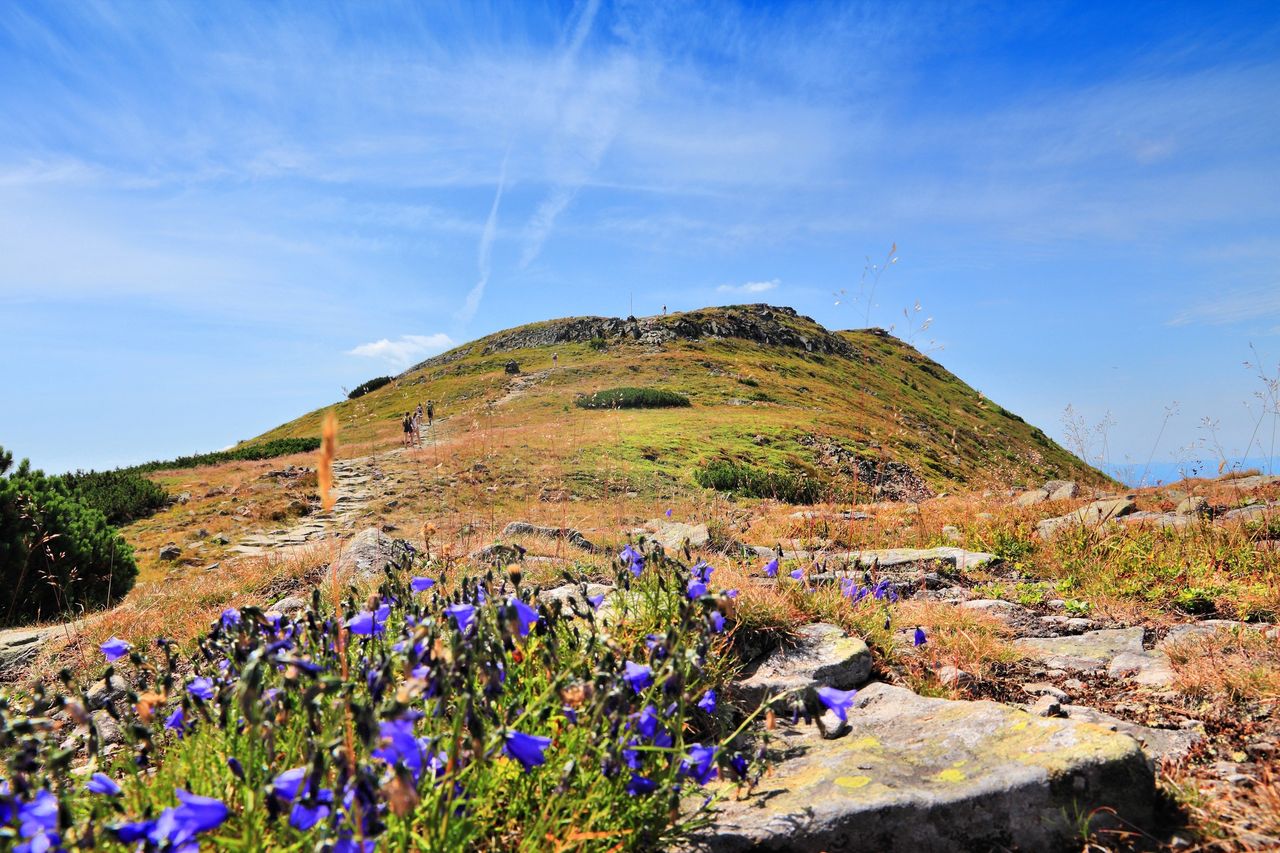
633	398
253	452
57	555
753	482
121	496
365	387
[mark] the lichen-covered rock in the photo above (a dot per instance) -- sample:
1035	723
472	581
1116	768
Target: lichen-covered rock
1085	652
1158	744
917	774
498	554
823	655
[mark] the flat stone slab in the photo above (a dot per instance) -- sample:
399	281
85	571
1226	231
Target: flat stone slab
1158	744
19	646
1249	513
824	655
917	774
570	535
956	558
1092	650
944	557
1150	668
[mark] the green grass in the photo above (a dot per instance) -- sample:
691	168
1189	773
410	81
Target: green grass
883	400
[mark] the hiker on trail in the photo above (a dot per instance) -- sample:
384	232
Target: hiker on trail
407	423
431	411
555	359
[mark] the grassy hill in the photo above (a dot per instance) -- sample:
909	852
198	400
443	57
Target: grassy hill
769	390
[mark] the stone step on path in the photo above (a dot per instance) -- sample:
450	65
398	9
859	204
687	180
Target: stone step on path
918	774
353	483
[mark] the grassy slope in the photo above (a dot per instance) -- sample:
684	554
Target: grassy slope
887	401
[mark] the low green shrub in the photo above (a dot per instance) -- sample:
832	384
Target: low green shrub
752	482
633	398
266	450
57	555
122	496
365	387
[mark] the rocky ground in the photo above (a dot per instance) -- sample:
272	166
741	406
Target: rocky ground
1075	737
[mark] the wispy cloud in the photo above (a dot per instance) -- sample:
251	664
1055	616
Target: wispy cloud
404	350
750	287
1231	307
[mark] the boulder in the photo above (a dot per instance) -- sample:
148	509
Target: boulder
1005	611
170	552
1193	506
1157	519
289	605
823	655
1032	497
512	367
369	552
673	534
571	596
1061	490
917	774
1092	515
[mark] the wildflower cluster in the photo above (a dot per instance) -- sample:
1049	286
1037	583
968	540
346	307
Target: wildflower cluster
425	716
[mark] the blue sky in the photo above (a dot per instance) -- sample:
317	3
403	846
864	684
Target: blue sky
214	217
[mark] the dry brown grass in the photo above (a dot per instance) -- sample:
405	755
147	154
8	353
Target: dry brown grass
968	640
1227	818
1240	665
186	603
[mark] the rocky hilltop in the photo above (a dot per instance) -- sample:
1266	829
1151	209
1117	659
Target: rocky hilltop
768	325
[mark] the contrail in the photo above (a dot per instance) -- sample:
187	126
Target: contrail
543	220
483	262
